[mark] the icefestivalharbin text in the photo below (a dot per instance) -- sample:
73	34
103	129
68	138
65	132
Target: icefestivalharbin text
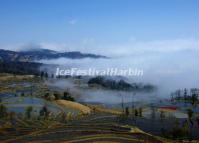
99	72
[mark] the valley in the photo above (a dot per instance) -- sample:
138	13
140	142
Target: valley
36	109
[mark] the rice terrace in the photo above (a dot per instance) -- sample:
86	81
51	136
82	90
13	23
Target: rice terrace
99	71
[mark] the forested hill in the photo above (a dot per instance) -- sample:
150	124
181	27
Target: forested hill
41	54
120	85
20	67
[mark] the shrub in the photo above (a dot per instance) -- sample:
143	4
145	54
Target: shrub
28	112
67	96
3	111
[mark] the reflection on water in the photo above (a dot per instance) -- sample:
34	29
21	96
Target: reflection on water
19	104
23	84
115	97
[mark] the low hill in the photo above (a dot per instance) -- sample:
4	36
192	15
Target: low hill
120	85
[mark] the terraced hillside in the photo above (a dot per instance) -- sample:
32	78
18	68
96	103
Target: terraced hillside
96	128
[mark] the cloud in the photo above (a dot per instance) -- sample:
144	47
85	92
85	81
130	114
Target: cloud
131	48
153	47
171	64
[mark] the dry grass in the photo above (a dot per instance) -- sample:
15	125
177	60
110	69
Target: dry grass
167	110
8	77
74	105
98	108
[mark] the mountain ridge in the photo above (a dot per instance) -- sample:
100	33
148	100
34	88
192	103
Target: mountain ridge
41	54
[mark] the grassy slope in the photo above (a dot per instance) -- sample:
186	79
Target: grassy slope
74	105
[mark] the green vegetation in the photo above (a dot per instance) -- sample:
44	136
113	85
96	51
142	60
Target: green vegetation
178	132
190	113
136	112
57	96
3	111
162	115
68	97
186	95
140	112
28	112
120	85
21	68
70	112
44	113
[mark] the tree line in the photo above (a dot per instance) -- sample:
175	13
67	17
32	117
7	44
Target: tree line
186	95
120	85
